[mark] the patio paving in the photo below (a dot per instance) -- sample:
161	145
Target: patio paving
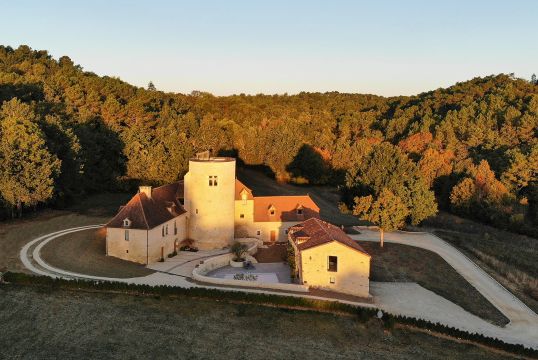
184	262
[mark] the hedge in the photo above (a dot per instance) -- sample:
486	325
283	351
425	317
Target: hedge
363	313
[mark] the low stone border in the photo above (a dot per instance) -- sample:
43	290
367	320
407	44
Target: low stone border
200	274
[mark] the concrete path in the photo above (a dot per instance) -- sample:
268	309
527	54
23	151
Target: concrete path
398	298
523	321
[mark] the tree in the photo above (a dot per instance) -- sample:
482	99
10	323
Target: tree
386	210
386	167
533	79
27	169
151	86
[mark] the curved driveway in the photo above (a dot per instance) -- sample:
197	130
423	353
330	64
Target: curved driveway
523	321
399	298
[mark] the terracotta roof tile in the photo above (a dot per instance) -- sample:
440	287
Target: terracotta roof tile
239	187
315	232
147	213
286	208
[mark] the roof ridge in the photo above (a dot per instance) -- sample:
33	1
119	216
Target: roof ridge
143	210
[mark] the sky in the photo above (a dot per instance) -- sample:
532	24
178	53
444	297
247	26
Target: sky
379	47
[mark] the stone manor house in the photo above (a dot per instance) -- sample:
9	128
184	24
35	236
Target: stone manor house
209	207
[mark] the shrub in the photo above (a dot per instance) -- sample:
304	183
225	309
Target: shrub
239	250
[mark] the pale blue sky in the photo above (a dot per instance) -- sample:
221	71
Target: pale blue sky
272	46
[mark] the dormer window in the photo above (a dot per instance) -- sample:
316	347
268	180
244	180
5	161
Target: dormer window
126	223
300	211
272	210
244	196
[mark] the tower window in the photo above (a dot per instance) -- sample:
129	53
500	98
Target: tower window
213	180
242	216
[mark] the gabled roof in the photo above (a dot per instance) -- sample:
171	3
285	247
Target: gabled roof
146	213
285	208
315	232
240	188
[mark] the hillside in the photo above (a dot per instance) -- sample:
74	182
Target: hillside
67	132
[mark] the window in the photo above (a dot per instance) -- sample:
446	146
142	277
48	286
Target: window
332	280
175	228
166	229
332	265
162	231
272	212
196	211
286	231
242	216
126	235
126	222
258	232
299	211
213	180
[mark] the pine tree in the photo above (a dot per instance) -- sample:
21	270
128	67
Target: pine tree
151	86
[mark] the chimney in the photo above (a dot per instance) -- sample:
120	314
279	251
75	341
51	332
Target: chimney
146	190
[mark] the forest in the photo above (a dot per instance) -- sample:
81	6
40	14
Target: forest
470	149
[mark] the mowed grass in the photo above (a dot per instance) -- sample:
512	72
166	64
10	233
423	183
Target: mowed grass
402	263
512	259
84	252
73	325
14	234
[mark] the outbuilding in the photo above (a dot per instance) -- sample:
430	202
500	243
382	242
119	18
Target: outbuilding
325	257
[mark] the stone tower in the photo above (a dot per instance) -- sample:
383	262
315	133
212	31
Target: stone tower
210	201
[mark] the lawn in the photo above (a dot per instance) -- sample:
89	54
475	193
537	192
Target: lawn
15	234
73	325
512	259
402	263
84	252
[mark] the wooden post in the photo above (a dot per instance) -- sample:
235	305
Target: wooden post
381	236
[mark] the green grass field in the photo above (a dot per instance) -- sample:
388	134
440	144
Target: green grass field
72	325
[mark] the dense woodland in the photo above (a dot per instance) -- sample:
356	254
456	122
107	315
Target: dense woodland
471	148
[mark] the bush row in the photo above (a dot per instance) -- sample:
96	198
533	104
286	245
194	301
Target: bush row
362	313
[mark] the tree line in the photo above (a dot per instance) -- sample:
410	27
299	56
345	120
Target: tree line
470	148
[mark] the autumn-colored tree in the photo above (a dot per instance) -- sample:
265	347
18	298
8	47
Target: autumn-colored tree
27	168
434	164
385	210
481	187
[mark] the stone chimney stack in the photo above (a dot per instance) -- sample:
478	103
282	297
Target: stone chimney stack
146	190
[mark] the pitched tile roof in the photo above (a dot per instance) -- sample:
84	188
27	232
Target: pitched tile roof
146	213
239	187
285	208
314	232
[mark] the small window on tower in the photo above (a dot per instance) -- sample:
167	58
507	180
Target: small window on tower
242	216
213	180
